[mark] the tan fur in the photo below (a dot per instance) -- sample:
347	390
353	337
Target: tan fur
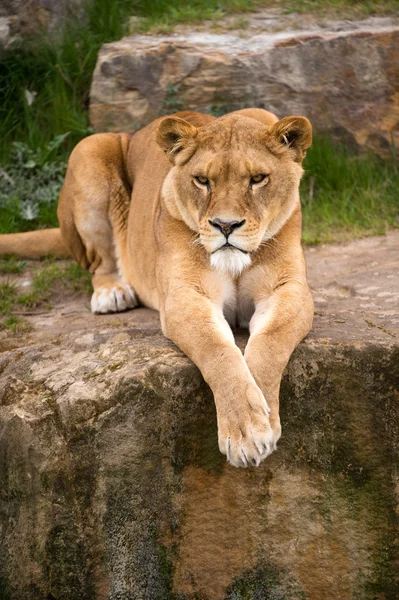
133	211
34	244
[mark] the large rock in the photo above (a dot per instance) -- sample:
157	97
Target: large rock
112	485
344	77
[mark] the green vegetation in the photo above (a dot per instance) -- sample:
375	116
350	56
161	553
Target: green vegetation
45	83
7	297
342	8
30	186
4	591
346	196
163	15
10	264
47	276
15	324
44	91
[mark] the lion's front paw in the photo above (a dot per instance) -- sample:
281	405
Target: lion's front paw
245	434
117	298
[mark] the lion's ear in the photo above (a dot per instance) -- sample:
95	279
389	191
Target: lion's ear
177	139
294	133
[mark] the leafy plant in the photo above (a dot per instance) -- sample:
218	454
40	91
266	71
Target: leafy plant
171	102
31	184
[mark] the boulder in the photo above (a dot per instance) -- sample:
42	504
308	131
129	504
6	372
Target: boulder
112	485
342	76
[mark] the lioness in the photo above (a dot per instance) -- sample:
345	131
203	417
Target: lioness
198	217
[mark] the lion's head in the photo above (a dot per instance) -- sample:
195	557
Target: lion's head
234	181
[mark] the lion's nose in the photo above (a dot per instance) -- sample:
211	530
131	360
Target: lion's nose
226	227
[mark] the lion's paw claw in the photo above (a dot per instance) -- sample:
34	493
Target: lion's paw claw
249	450
116	299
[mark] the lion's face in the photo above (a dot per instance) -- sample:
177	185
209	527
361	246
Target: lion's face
235	181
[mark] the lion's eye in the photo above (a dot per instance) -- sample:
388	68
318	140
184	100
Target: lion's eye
202	180
257	179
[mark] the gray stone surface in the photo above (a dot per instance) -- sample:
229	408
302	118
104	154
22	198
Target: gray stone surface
342	76
112	485
356	290
4	31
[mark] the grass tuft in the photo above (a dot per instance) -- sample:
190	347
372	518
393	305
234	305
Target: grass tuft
44	282
8	292
339	8
11	265
15	324
162	15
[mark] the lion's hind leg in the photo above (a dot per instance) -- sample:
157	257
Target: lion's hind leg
93	210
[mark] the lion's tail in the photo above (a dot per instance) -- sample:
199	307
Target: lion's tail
34	244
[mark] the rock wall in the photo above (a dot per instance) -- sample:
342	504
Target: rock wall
344	79
112	485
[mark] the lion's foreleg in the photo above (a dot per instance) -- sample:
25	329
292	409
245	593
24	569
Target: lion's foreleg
198	327
279	323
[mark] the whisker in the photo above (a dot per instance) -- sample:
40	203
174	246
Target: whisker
197	241
270	241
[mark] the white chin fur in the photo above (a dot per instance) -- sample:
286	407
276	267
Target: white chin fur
230	260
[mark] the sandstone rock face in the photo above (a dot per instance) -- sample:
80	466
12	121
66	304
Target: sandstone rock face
112	485
344	78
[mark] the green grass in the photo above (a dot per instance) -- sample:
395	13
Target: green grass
8	293
15	324
73	277
59	74
10	264
49	275
163	15
341	8
346	196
